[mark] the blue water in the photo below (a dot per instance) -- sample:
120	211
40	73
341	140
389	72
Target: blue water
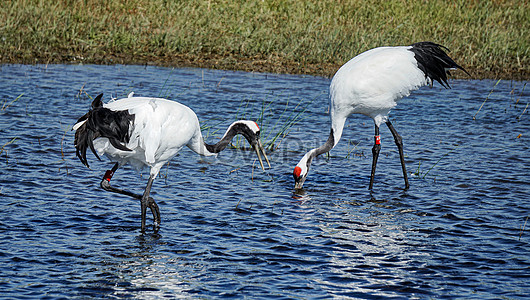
230	230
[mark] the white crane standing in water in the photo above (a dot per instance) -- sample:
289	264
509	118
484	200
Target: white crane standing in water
148	132
371	84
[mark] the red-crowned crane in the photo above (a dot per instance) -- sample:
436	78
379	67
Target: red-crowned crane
371	84
148	132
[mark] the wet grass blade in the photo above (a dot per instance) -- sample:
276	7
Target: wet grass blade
474	117
522	228
7	144
6	105
439	161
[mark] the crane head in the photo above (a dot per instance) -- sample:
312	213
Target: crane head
250	130
301	170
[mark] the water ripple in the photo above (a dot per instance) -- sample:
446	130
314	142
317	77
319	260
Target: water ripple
229	230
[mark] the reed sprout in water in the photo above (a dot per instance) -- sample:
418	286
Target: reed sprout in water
6	105
350	151
523	228
3	148
419	173
283	124
519	98
491	92
275	123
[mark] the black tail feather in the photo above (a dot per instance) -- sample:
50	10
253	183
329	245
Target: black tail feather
90	139
97	101
81	145
434	62
102	122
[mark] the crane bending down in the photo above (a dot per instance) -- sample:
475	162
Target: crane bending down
148	132
371	84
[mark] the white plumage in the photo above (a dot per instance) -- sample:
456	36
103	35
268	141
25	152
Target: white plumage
371	84
161	128
148	132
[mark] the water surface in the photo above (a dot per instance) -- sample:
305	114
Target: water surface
230	230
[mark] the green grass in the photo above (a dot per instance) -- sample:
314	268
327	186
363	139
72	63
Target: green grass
277	125
489	38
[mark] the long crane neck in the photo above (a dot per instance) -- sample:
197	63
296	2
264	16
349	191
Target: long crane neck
302	168
330	143
198	145
337	126
248	129
221	145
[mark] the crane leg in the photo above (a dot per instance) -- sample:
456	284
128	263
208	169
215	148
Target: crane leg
149	201
145	199
399	144
375	153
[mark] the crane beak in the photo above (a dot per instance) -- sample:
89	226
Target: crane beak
259	148
298	183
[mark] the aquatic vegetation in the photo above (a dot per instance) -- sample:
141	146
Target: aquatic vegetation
3	148
491	92
351	152
275	123
519	98
523	228
422	175
6	105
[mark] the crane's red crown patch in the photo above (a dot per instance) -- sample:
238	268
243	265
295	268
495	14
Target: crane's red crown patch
297	171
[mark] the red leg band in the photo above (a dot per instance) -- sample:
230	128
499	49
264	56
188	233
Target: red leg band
378	140
108	175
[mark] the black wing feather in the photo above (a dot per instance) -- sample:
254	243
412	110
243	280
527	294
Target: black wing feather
102	122
434	62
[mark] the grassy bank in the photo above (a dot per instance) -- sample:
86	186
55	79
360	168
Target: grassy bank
489	38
